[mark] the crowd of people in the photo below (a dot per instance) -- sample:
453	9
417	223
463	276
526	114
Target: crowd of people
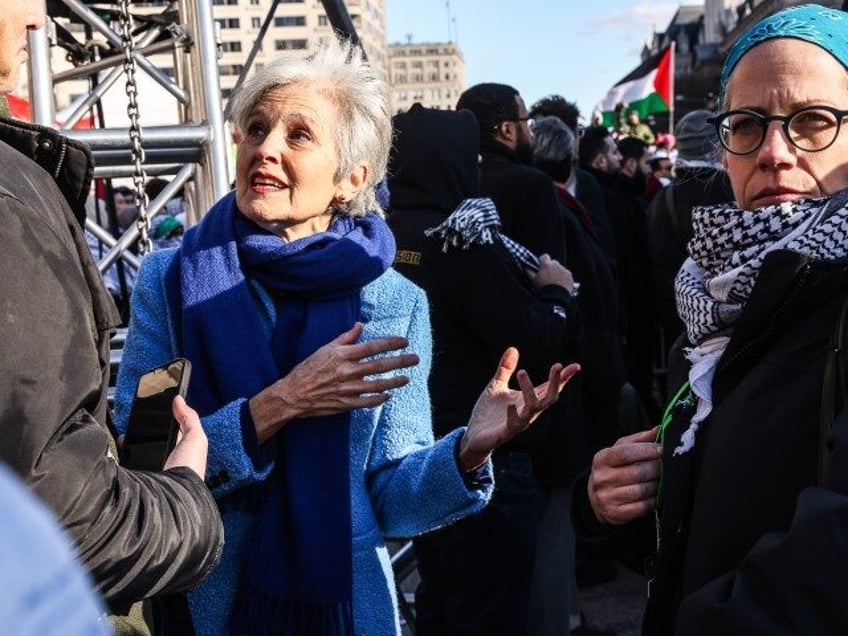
535	348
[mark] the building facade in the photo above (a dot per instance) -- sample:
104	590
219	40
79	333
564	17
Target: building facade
432	73
295	27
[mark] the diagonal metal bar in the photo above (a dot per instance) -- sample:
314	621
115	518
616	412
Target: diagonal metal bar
257	45
114	39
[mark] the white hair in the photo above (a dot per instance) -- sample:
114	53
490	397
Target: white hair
361	96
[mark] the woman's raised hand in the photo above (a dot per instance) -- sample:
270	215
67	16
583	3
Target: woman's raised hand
334	379
501	413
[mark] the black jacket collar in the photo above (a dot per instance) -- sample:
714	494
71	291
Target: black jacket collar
69	162
492	147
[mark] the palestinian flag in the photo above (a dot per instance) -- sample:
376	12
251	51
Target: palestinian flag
647	89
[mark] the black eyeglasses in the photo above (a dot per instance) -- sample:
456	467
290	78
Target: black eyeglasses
811	129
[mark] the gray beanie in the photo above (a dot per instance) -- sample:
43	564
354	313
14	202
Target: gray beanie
695	138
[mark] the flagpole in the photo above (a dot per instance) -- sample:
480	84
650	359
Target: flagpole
671	105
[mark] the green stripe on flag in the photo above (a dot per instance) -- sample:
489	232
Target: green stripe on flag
649	105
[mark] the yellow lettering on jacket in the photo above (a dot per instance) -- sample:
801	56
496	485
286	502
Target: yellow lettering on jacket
407	257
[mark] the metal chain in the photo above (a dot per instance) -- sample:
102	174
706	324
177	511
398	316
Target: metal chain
145	245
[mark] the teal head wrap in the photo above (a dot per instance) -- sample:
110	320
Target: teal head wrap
824	27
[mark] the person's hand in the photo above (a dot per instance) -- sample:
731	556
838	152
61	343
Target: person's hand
192	445
551	272
501	413
625	477
332	380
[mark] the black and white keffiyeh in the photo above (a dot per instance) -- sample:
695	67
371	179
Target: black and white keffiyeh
476	222
725	256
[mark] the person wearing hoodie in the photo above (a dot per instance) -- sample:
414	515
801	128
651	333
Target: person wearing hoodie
485	292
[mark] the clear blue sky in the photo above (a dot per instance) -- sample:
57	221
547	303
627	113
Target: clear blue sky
577	48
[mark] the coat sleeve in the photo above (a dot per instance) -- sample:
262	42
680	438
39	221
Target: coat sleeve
139	534
151	342
539	226
792	583
500	310
414	484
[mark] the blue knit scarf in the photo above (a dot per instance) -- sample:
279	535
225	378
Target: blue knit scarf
297	578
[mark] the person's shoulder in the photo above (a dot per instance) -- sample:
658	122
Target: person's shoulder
20	176
392	281
155	265
392	293
38	568
160	259
525	179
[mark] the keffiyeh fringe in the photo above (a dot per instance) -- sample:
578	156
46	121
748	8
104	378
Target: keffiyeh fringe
476	222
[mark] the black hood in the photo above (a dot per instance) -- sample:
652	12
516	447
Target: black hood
433	164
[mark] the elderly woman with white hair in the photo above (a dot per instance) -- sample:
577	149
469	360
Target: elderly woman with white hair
283	299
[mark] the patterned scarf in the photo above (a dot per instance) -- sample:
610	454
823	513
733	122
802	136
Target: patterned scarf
726	253
297	578
476	222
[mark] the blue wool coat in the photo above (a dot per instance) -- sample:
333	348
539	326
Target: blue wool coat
402	483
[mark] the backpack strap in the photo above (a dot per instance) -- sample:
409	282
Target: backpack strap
834	388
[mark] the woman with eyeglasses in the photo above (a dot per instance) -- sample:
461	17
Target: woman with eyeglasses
747	477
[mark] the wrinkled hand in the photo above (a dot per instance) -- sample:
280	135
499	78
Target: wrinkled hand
625	477
332	380
502	413
192	445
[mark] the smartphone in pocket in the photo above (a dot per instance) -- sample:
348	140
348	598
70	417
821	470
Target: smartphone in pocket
152	429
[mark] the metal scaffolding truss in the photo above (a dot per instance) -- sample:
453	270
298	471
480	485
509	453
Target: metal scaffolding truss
194	150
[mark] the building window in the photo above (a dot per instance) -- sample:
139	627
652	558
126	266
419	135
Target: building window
289	45
323	21
228	23
231	47
290	20
230	69
224	2
255	22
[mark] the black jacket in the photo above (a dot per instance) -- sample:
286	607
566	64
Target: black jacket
481	302
525	199
139	534
626	211
589	193
670	229
751	540
603	372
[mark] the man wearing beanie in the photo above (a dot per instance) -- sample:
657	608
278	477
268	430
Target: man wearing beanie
699	180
